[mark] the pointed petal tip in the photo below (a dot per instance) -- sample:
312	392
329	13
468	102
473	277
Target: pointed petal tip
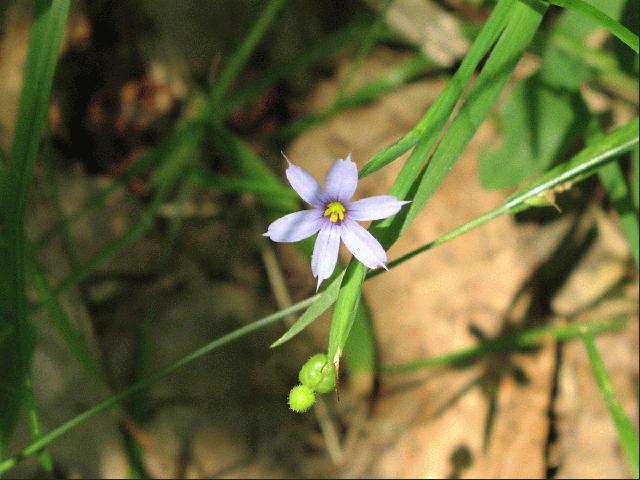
286	158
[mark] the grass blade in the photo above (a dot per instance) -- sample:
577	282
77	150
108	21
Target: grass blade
242	54
404	73
42	54
627	433
613	180
615	28
635	178
435	118
516	37
527	338
325	300
336	42
228	184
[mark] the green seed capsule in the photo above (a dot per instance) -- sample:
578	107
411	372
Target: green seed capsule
318	373
301	398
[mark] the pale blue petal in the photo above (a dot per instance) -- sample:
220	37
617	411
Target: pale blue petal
375	208
362	244
342	180
295	226
305	185
325	252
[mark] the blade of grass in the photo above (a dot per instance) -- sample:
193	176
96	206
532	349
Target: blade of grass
585	163
372	35
615	28
613	180
228	184
327	46
435	118
516	37
325	300
404	73
42	54
72	336
251	168
242	54
627	433
44	458
635	178
526	338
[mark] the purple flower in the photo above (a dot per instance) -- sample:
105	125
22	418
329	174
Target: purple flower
335	216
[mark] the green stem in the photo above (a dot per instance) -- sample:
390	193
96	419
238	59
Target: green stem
627	433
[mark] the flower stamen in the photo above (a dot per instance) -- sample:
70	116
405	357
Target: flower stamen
335	211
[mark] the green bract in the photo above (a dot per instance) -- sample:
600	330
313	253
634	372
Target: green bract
301	398
318	373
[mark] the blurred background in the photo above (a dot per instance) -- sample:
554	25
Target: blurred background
147	244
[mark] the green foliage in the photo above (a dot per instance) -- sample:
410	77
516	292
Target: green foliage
15	351
627	434
545	115
543	118
540	123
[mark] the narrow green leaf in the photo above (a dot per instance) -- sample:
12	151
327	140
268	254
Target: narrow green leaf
627	433
44	45
242	54
523	24
240	185
46	462
325	47
252	168
344	311
72	336
613	180
585	163
317	308
526	338
437	115
635	177
615	28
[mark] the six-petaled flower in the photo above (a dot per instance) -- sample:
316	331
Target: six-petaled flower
335	216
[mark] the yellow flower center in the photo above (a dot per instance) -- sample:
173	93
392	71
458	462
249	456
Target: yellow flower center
335	211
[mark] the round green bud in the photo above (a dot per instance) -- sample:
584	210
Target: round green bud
318	373
301	398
